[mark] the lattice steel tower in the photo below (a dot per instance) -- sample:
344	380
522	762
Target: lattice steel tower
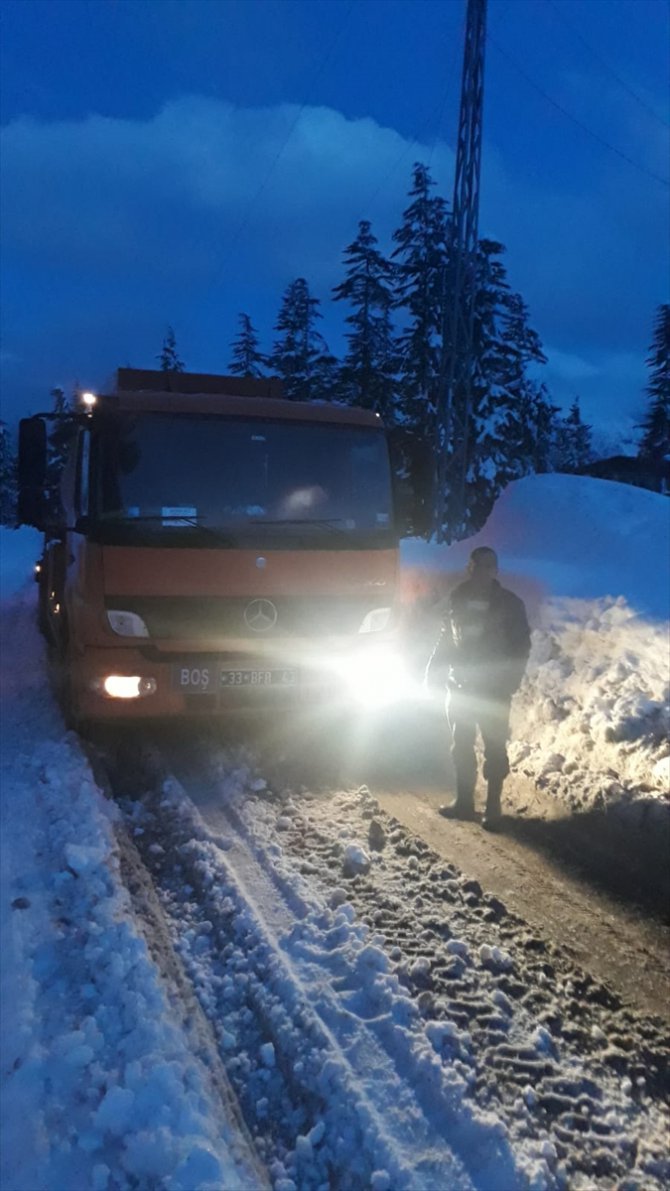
454	391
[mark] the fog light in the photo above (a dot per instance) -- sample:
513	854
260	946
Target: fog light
123	686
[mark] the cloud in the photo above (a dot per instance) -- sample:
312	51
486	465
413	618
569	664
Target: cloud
185	192
610	386
569	367
113	227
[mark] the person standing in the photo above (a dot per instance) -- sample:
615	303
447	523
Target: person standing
482	652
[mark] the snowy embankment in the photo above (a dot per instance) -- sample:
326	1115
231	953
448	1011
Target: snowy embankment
99	1086
591	558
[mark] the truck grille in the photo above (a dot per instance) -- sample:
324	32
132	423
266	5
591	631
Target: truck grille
185	618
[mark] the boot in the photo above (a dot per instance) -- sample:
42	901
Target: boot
493	815
463	807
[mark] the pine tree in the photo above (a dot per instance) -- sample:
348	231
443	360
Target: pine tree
529	415
367	373
421	254
300	357
169	357
573	441
511	425
655	443
8	477
490	451
247	359
59	437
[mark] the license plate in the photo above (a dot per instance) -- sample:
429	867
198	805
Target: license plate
196	680
279	678
210	678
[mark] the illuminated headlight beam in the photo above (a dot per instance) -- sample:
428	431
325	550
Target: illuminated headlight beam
376	678
125	686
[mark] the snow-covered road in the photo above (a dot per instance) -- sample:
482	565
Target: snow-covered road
486	1057
227	975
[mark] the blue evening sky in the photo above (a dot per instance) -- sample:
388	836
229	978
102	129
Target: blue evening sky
177	161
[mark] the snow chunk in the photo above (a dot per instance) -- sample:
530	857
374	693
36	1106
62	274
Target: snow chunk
315	1135
495	958
268	1054
115	1111
458	947
355	860
83	859
542	1040
420	969
200	1169
380	1180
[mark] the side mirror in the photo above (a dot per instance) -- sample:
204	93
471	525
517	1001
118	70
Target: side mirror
32	472
413	464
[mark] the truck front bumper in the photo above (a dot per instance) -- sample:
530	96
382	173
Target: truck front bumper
134	683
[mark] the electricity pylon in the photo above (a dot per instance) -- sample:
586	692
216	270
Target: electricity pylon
455	387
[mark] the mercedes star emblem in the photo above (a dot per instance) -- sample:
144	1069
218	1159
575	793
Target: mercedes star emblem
260	615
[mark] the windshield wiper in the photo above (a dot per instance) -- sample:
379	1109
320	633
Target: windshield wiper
332	523
169	521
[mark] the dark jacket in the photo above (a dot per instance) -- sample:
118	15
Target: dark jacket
484	642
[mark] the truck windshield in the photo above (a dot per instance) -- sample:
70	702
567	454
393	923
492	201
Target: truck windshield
159	473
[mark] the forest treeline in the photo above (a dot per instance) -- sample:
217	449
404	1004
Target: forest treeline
395	307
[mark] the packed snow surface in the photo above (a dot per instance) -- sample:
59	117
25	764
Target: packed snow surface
100	1088
103	1086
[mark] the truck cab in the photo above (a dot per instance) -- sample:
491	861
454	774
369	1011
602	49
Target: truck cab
217	547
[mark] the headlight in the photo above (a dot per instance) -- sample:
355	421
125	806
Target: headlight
376	677
376	621
127	624
125	686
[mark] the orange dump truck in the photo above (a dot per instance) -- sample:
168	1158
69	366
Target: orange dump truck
216	547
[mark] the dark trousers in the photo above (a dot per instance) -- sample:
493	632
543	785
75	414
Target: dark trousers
467	712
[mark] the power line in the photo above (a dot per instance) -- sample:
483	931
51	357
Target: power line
595	136
282	148
606	66
432	121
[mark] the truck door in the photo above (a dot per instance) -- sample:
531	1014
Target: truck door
63	544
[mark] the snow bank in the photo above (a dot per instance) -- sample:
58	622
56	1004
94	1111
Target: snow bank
99	1087
569	536
591	558
19	551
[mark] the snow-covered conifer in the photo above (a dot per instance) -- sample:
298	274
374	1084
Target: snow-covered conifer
421	256
169	357
367	373
655	442
300	357
247	359
573	441
490	462
60	430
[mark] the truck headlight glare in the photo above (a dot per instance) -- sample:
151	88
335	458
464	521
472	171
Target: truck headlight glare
376	677
126	686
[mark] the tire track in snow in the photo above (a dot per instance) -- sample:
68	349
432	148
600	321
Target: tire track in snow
545	1048
333	1099
595	1080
